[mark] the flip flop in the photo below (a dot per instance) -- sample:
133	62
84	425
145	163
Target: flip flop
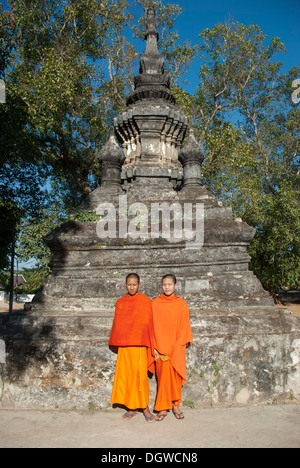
149	418
161	417
179	415
128	416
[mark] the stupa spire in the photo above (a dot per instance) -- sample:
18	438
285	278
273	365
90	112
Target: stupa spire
152	81
151	129
151	61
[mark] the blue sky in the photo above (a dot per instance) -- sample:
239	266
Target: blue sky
277	18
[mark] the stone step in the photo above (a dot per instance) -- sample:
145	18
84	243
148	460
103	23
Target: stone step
217	231
95	328
36	327
86	290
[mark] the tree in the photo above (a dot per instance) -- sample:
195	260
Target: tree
249	127
20	172
68	67
54	78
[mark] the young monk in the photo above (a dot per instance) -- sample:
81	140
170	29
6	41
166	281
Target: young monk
132	333
172	333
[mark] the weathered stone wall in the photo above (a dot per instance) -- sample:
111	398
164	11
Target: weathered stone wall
64	361
57	361
242	359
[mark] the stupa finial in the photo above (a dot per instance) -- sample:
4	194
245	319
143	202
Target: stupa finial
151	62
152	82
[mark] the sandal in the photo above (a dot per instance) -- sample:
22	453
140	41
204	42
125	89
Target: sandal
127	416
178	415
150	419
161	417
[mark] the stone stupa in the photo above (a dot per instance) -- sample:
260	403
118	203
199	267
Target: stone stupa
146	165
156	217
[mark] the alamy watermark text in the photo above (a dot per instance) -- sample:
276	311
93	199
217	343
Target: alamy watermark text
175	222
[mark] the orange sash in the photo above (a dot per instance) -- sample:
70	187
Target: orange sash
172	330
133	324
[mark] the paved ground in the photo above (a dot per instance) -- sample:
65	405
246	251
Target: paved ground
257	426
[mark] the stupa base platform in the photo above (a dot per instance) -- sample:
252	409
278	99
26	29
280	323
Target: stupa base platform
237	358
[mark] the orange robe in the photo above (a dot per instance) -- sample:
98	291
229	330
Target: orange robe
132	333
172	332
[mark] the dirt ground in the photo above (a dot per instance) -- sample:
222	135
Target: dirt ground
4	306
294	308
270	426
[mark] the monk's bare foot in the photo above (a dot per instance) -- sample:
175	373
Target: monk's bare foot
161	415
177	413
149	416
129	415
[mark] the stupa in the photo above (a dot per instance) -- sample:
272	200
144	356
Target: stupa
154	217
151	185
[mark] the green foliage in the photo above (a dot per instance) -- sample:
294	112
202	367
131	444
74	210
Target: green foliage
31	243
275	250
85	216
21	173
35	278
249	128
68	67
189	404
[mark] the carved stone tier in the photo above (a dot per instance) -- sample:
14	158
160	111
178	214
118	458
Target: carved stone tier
150	135
151	87
89	270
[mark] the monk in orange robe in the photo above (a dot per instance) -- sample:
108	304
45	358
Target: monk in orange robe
132	334
172	333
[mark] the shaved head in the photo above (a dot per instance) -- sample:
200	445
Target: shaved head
133	275
173	277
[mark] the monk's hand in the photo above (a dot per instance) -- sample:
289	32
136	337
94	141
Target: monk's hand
156	354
